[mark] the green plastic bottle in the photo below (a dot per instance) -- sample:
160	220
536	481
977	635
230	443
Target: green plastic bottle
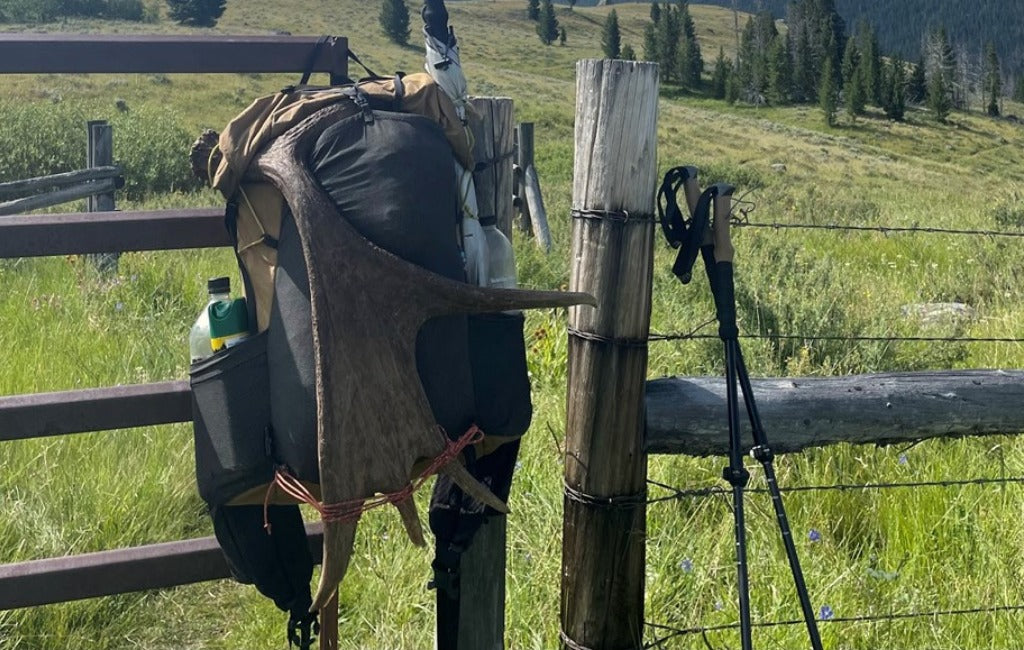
229	323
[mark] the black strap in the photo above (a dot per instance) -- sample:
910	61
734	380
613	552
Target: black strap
231	223
671	217
694	236
311	61
371	73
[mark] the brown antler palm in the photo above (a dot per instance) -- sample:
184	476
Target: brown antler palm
373	419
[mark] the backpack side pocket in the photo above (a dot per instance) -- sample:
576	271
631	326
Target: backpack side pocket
231	417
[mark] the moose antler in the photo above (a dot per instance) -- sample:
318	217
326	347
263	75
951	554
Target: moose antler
373	419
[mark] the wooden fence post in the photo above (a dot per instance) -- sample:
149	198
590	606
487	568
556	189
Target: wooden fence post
535	216
481	610
492	153
615	175
100	153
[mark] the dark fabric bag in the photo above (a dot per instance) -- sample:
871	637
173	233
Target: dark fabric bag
231	413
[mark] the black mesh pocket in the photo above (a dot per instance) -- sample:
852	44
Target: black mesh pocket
231	415
501	383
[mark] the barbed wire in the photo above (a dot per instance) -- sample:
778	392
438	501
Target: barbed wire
674	632
742	222
696	335
679	494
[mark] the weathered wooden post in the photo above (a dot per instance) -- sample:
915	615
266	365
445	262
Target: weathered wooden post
100	153
535	216
480	619
492	152
612	258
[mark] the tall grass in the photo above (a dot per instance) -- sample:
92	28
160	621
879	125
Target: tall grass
874	552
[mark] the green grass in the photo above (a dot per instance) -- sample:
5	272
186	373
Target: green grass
64	327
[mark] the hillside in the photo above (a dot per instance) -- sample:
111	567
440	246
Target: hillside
865	552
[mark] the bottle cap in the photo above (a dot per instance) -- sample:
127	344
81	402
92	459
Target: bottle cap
489	220
219	285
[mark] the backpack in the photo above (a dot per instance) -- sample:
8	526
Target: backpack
255	405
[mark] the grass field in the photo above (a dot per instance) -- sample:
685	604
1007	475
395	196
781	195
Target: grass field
873	552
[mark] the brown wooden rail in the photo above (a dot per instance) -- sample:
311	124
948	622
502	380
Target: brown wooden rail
105	53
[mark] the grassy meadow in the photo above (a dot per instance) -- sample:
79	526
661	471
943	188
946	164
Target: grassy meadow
864	552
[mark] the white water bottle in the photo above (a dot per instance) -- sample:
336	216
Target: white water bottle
199	336
501	269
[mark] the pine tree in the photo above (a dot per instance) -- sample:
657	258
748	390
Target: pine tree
562	36
198	13
627	53
533	9
655	12
939	100
668	32
394	20
871	65
720	75
917	85
611	38
993	80
547	24
780	72
1018	89
651	50
691	60
895	84
854	95
827	94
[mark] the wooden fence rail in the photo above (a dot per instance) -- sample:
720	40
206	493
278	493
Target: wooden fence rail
40	183
686	415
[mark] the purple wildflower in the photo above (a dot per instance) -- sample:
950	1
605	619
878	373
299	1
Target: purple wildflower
686	565
826	613
814	535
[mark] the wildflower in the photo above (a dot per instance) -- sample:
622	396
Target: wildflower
119	306
686	565
902	460
719	606
826	613
814	535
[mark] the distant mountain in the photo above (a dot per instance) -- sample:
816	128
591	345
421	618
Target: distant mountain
901	23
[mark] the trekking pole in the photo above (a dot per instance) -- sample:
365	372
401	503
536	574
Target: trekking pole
718	259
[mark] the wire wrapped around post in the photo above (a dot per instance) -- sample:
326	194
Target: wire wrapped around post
603	552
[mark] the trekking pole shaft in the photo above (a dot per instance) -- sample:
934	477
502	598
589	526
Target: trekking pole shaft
762	452
737	476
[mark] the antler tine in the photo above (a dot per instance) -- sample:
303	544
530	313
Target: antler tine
411	521
338	541
474	488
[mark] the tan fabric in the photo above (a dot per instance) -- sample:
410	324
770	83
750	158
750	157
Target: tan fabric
260	205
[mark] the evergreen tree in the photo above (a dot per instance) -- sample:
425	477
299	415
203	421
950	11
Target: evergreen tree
939	100
1018	89
533	9
651	50
993	80
828	98
720	75
917	85
755	45
691	60
655	12
895	83
562	36
394	20
611	38
732	84
854	95
871	65
198	13
572	3
780	72
668	32
547	24
627	53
